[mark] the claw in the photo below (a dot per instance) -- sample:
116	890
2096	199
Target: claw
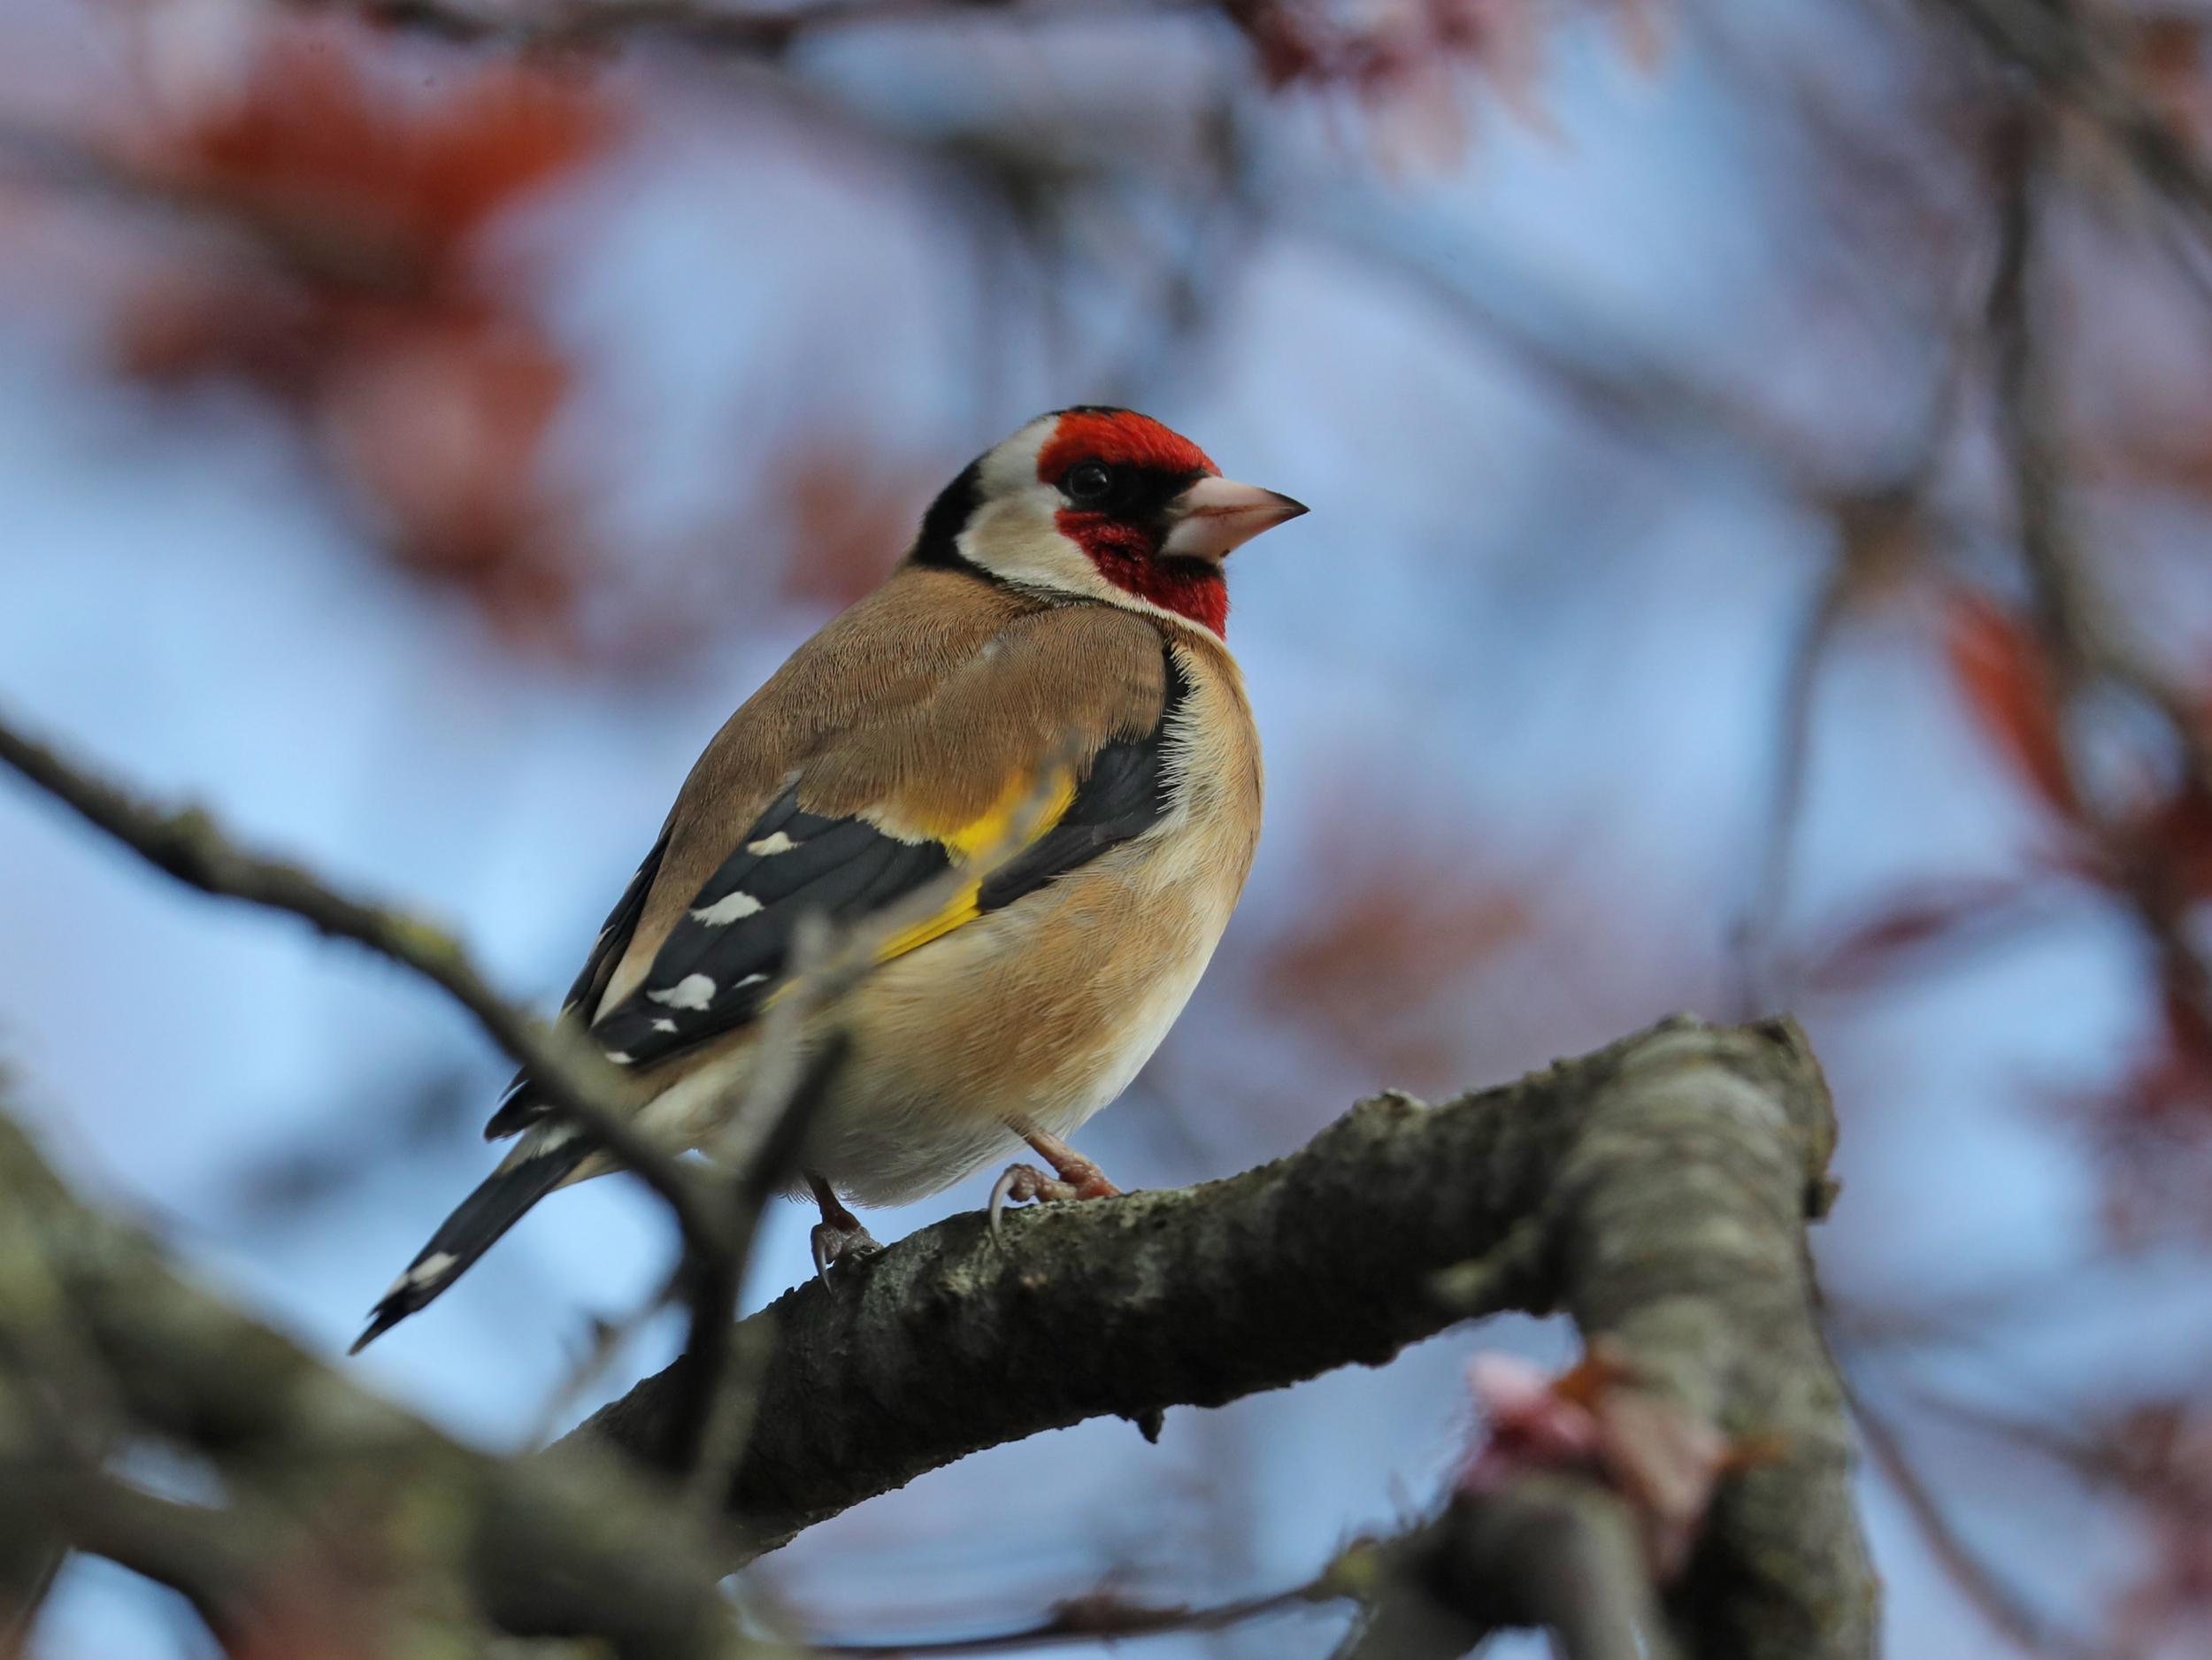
834	1244
838	1234
1074	1177
1019	1183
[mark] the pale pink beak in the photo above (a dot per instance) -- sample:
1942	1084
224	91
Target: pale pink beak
1216	515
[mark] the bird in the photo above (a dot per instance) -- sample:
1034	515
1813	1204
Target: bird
1034	727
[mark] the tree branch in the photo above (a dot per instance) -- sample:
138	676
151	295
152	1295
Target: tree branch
1556	1551
2071	57
1656	1190
563	1545
2088	650
578	1081
716	25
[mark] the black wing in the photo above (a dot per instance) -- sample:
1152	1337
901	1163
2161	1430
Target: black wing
718	965
723	960
516	1108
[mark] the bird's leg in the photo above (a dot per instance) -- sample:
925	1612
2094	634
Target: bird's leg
1073	1176
838	1233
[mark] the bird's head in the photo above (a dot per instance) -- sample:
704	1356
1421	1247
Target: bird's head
1106	504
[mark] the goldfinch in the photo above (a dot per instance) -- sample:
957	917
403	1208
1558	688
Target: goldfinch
1051	646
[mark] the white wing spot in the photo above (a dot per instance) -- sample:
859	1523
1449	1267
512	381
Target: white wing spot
664	1024
777	843
693	991
554	1136
749	980
728	909
620	1058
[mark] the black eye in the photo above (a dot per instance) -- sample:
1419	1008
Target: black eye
1089	483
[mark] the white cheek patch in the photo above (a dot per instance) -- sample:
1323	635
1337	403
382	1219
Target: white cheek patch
1017	538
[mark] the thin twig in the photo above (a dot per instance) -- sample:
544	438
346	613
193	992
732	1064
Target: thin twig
1108	1618
709	1435
608	1337
2095	1462
2086	650
2006	1610
579	1084
1757	936
794	1067
707	24
2074	61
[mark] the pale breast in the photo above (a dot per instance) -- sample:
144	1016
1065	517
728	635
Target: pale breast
1047	1011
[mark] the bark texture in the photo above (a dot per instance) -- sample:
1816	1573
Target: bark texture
103	1345
1657	1191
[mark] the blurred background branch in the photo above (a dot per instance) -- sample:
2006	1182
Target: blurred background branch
334	1524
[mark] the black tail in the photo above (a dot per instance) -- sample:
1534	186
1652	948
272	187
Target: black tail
476	1224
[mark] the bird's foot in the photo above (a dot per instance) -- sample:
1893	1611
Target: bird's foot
1073	1177
834	1242
839	1236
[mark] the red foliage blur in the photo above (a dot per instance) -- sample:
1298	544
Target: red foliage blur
1918	927
430	386
2166	51
1380	963
2000	667
2179	830
849	520
2154	851
2161	1452
1405	63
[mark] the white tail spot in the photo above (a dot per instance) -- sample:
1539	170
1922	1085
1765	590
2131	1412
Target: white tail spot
428	1272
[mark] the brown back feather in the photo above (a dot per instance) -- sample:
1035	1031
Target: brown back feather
918	708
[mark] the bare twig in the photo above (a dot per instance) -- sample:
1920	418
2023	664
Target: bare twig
605	1339
710	1433
1759	932
579	1084
794	1067
1554	1551
1105	1617
2070	58
2086	650
554	1544
714	25
2003	1606
2096	1459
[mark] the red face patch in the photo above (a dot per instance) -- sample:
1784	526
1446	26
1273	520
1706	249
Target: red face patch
1125	550
1119	437
1126	556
